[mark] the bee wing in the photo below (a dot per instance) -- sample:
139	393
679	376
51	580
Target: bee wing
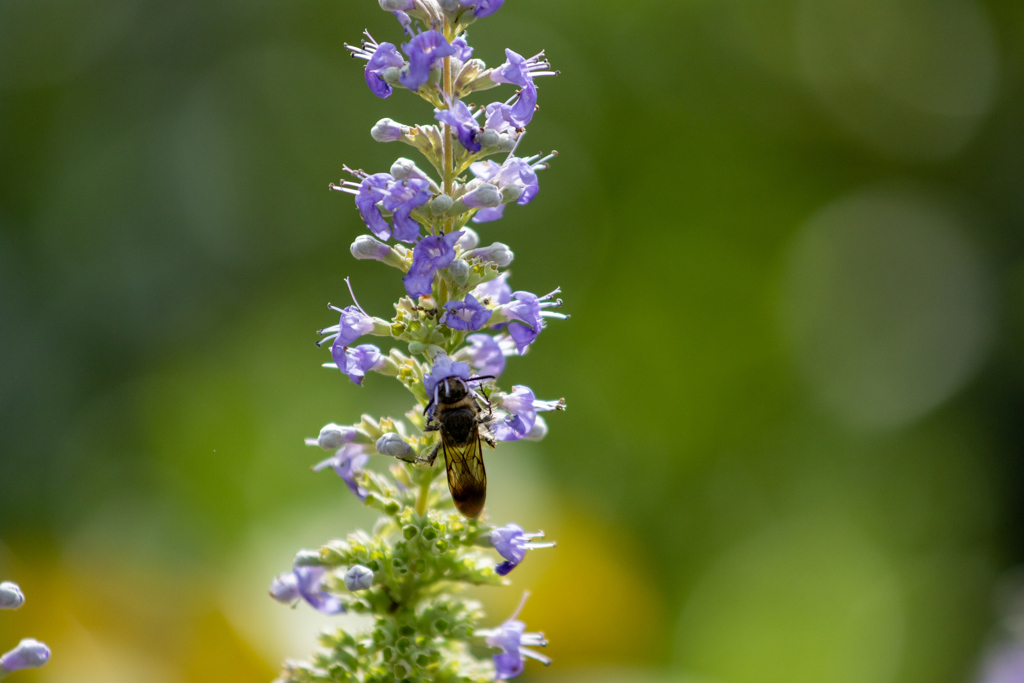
467	479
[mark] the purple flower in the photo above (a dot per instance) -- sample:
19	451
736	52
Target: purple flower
464	51
348	463
461	119
384	57
30	654
486	354
512	542
520	71
425	51
402	198
511	637
465	315
527	316
308	582
444	368
372	190
521	407
515	178
357	361
497	290
354	323
431	253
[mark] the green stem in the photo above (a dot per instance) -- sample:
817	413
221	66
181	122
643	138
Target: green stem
424	494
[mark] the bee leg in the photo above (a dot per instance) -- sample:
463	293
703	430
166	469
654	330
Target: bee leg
431	455
486	435
432	427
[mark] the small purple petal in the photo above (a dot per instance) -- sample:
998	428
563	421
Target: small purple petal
308	580
360	360
384	57
469	315
488	215
431	253
347	463
485	355
372	190
497	290
460	118
424	51
402	198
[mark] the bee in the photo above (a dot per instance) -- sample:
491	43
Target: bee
462	422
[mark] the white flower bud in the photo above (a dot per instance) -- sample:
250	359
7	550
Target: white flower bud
394	445
285	588
308	558
332	437
367	247
499	254
459	268
391	74
506	143
441	203
387	130
30	654
469	239
358	578
488	138
510	193
403	167
11	596
450	5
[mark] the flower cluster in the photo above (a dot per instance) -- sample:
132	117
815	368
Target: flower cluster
30	653
451	335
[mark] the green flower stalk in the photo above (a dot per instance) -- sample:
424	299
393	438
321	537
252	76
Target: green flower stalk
456	328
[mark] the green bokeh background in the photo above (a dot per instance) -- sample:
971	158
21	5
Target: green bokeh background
793	445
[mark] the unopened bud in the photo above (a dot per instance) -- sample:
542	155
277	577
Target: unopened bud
459	268
469	239
416	347
484	196
394	445
404	168
441	203
506	143
510	193
367	247
450	5
488	138
285	588
30	654
499	254
332	437
391	74
11	596
396	5
387	130
308	558
358	578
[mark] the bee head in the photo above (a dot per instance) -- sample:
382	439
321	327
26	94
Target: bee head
451	390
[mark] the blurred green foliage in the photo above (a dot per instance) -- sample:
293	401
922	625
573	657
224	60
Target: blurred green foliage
168	247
